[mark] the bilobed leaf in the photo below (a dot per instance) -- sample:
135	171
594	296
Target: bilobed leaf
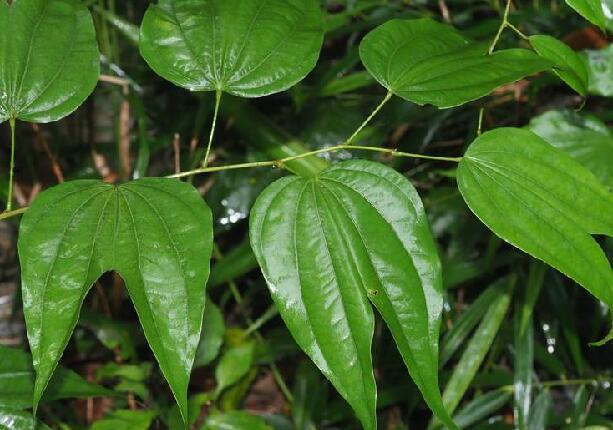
556	204
585	138
600	69
249	48
156	233
568	65
17	382
49	59
328	244
426	62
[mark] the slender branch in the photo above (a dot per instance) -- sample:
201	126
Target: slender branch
480	123
370	117
343	146
503	24
212	133
12	213
9	199
518	31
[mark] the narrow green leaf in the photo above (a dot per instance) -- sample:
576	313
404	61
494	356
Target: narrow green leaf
599	65
481	407
568	65
19	420
309	393
49	59
112	334
463	326
235	420
17	382
523	363
249	48
585	138
426	62
540	411
326	245
156	233
556	203
211	339
478	346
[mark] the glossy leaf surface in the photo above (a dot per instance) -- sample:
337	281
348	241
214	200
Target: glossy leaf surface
249	48
19	420
17	382
556	204
585	138
568	65
49	59
156	233
426	62
329	244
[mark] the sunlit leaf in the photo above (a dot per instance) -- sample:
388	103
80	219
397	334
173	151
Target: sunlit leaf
19	420
249	48
49	59
426	62
326	246
555	204
585	138
156	233
592	10
568	65
235	420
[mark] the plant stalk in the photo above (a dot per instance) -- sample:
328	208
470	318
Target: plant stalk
212	133
387	97
9	200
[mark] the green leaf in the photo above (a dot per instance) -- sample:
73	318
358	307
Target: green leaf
125	420
568	65
156	233
478	346
17	382
328	244
19	420
585	138
426	62
464	325
211	339
556	204
592	10
481	407
233	365
112	334
600	69
235	420
49	59
540	411
248	48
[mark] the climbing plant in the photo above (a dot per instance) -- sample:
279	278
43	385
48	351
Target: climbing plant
337	243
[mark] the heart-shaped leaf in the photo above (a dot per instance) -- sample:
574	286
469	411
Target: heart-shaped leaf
568	65
249	48
585	138
426	62
49	59
540	200
328	244
156	233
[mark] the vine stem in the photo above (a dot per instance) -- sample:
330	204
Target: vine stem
281	162
212	133
503	24
9	200
387	97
